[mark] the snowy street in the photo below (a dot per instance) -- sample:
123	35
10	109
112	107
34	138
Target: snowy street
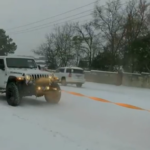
94	117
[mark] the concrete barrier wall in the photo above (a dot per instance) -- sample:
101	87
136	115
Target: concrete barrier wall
129	79
101	77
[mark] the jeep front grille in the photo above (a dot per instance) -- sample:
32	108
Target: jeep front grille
37	76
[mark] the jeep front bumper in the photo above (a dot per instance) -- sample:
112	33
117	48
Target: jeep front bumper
37	90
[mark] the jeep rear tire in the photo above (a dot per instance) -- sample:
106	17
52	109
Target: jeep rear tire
12	94
54	95
63	82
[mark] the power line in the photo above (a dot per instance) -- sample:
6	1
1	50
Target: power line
43	25
51	16
49	25
39	27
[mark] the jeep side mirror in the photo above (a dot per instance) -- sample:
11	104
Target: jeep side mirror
2	67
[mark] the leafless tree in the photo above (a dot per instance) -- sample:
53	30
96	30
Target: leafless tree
78	49
120	24
136	26
58	47
110	21
48	50
63	43
90	41
136	19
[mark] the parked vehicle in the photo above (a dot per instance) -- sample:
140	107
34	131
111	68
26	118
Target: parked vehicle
71	75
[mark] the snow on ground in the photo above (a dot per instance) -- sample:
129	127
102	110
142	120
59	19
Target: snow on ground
78	123
131	95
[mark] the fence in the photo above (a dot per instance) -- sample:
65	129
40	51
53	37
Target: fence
129	79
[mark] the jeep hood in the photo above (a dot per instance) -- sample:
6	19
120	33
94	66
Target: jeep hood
27	71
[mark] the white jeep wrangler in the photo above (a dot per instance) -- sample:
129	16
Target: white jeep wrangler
20	76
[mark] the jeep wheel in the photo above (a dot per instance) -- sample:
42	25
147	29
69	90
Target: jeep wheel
54	95
63	82
12	94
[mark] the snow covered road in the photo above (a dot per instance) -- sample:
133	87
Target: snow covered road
79	122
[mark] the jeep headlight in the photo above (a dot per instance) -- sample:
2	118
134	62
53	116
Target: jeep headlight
50	77
20	78
28	78
53	78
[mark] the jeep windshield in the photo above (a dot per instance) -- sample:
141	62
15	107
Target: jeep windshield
20	63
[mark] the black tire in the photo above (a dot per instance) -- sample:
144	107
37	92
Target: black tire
55	95
63	82
79	85
12	94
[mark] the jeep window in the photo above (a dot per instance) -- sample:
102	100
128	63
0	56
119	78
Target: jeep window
20	63
1	62
68	70
61	70
77	71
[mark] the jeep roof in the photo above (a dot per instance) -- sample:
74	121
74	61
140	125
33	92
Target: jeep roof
72	67
17	56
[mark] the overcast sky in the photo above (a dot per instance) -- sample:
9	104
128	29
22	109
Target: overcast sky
14	13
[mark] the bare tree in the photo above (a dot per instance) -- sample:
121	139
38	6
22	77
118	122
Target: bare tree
58	48
110	21
136	27
90	41
78	49
63	44
47	50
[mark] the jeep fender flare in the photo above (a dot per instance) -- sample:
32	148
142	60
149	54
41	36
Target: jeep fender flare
12	79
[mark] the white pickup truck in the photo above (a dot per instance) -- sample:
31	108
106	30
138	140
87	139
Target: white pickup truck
20	76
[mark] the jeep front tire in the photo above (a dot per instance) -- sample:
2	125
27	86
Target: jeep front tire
54	95
12	94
